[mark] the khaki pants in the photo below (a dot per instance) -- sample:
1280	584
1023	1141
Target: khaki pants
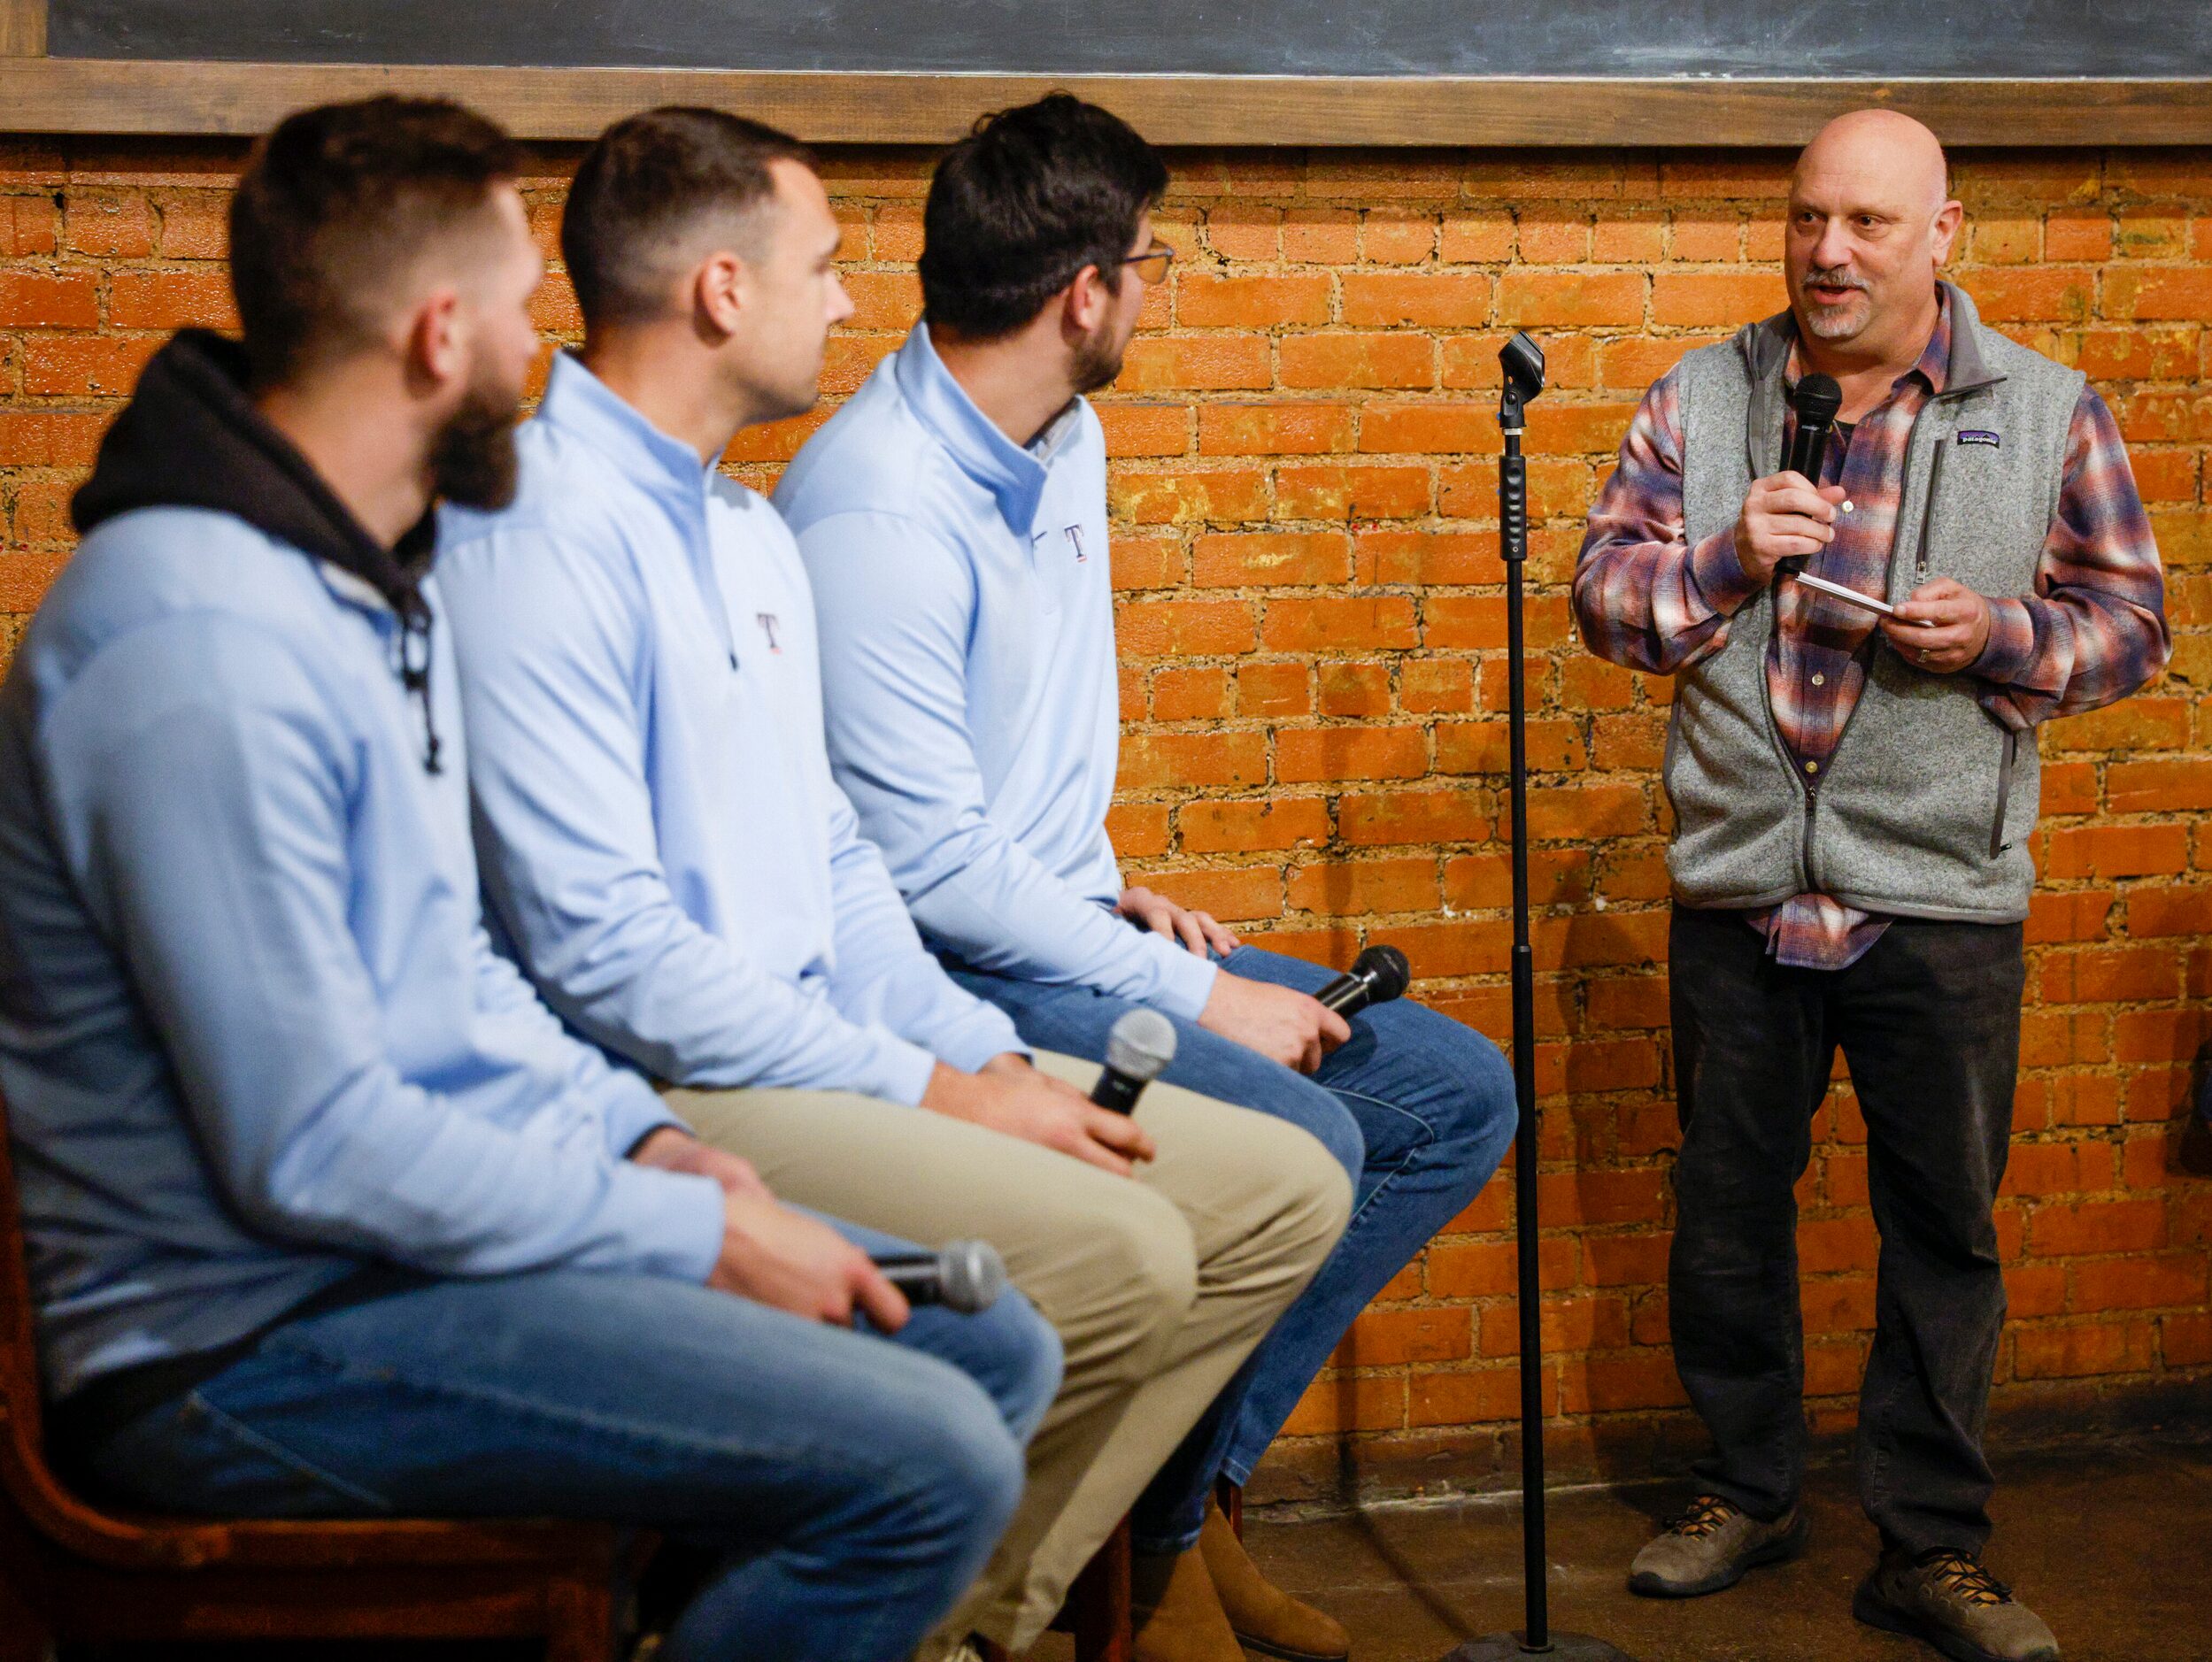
1158	1286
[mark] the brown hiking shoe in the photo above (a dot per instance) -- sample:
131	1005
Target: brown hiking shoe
1709	1547
1949	1601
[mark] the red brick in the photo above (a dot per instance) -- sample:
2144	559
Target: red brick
1273	689
1529	300
1483	882
2065	1229
1157	363
1221	496
1248	827
1274	429
1350	491
1378	360
1190	694
1389	1338
1411	816
1230	896
1459	300
2073	1353
1705	299
1349	1401
1353	887
1465	1397
1305	755
1270	560
1137	829
1481	747
1145	429
2154	911
2115	851
37	300
2182	296
2186	1341
2140	1281
1427	429
1158	629
1354	689
1250	303
1333	623
1150	761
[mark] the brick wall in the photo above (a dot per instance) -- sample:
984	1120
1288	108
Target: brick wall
1312	634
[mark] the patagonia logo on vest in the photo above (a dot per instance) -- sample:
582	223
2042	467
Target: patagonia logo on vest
1978	435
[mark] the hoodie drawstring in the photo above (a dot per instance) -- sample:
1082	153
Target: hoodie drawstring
414	674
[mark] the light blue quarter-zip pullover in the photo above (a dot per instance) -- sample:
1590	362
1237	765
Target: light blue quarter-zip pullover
252	1032
966	615
661	837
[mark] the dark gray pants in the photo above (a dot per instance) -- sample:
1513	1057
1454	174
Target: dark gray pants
1929	1023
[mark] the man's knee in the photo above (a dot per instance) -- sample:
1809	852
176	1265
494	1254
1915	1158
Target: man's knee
1123	1278
1312	1183
942	1466
1024	1361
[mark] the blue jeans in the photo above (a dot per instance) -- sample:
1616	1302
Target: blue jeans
1417	1107
850	1485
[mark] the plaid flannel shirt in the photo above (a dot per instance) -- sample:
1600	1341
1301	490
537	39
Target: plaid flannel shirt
2092	632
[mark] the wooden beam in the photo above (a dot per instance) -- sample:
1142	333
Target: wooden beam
22	28
100	96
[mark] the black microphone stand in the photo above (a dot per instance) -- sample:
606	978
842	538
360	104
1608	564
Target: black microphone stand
1522	360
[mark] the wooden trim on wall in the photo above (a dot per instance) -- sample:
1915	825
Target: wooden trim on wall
102	95
22	28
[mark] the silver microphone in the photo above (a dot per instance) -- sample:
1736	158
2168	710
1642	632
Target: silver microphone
1138	1050
963	1275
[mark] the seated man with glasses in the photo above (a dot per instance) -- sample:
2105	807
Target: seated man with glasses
954	520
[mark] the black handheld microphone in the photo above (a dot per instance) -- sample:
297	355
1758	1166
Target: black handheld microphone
1376	976
1817	399
1138	1050
963	1275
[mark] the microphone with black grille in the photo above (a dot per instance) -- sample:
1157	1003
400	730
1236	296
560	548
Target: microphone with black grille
966	1276
1816	399
1138	1050
1376	976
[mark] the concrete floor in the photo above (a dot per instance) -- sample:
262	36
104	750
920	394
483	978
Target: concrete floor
2111	1544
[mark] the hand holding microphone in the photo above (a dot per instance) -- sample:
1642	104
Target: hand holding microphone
966	1276
1008	1096
1789	516
1376	976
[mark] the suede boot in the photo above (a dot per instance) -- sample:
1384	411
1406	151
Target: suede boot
1261	1614
1177	1613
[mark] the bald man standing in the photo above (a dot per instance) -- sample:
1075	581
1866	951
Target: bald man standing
1853	796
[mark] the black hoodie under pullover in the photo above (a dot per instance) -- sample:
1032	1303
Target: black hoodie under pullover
190	437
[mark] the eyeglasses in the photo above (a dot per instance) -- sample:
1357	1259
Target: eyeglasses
1152	263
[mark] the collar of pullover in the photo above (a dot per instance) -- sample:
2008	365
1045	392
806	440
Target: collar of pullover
1014	476
578	402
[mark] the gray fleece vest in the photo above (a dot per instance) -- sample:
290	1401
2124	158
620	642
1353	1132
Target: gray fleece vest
1926	808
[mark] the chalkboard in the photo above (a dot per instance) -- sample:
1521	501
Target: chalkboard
1770	39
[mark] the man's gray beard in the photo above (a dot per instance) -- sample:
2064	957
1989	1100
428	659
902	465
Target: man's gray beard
1841	321
1850	318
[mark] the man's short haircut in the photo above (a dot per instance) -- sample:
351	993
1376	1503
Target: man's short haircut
1025	201
648	181
336	207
